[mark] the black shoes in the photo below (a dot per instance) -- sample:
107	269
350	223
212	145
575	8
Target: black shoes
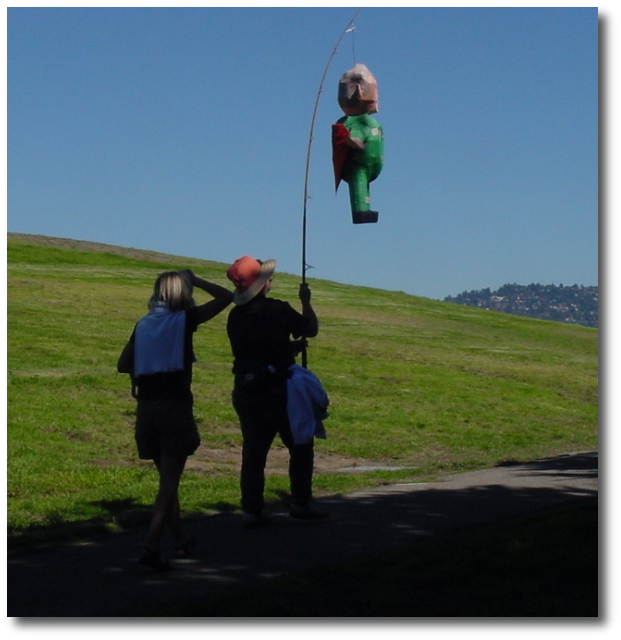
307	511
152	559
184	550
362	217
255	521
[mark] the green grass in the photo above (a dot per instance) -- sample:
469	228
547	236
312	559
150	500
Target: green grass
427	386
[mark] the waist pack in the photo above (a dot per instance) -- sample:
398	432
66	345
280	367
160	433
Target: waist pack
254	377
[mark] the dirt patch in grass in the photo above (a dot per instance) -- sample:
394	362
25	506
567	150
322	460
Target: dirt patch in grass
206	459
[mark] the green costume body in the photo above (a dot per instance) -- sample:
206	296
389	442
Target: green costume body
362	166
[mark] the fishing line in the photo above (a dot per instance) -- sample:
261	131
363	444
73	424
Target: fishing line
305	266
353	45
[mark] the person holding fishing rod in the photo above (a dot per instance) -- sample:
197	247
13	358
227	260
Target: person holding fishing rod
260	330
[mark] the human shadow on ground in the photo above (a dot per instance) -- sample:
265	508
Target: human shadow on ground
103	579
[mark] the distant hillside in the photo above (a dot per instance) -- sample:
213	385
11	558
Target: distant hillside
574	304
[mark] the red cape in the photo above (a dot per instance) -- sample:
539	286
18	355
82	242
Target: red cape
339	151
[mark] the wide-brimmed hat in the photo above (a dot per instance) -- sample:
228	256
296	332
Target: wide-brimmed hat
249	277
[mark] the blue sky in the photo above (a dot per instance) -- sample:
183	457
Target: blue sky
185	131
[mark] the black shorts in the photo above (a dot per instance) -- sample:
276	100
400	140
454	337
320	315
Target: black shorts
165	427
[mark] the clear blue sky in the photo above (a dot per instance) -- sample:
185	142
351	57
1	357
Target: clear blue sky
185	131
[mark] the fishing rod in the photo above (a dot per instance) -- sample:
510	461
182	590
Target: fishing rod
305	265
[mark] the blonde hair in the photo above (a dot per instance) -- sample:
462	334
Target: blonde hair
173	290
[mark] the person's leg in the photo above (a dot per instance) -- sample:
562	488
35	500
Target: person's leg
258	436
301	463
301	467
166	510
183	546
174	522
301	456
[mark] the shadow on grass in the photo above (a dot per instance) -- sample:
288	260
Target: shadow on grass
447	549
128	515
124	515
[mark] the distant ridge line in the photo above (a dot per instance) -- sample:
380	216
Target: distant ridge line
87	245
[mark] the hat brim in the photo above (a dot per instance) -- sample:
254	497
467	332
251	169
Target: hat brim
267	269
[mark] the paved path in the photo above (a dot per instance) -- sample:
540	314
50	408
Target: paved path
103	579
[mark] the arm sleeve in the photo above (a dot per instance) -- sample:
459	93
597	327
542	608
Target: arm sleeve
125	363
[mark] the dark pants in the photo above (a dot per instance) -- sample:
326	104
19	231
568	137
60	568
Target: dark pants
263	415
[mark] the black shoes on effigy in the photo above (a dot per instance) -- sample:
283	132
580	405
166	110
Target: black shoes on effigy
362	217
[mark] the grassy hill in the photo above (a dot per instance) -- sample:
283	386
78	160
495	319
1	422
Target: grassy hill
418	387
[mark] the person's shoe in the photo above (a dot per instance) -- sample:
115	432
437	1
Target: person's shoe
152	559
255	521
184	550
307	511
362	217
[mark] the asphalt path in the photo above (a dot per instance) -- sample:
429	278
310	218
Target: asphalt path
103	579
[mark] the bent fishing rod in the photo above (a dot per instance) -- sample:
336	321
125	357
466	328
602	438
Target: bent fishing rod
305	265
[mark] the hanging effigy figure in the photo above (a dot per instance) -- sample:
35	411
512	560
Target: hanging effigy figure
358	141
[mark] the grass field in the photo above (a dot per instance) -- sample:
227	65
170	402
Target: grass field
421	386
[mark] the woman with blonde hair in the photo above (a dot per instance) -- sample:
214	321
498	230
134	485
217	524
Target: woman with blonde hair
159	358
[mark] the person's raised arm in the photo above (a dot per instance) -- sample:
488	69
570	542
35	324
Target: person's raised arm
308	311
222	296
